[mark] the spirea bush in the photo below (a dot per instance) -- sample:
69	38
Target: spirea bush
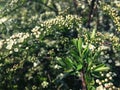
59	45
41	59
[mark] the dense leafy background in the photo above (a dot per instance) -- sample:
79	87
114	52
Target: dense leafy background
36	35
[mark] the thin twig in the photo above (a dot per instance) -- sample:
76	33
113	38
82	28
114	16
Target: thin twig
91	12
84	86
75	5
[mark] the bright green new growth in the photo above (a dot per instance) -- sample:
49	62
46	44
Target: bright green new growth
81	60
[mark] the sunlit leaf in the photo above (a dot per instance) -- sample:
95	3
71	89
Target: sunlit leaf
101	67
79	45
79	67
93	34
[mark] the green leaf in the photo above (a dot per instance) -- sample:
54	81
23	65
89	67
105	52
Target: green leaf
96	74
75	42
85	52
74	53
61	63
97	54
93	34
68	70
90	63
76	56
100	67
70	62
79	67
88	35
79	46
91	88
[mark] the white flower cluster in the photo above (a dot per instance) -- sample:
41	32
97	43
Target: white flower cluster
62	21
114	13
20	37
60	76
14	1
15	39
57	66
2	20
1	43
103	47
36	32
105	84
44	84
117	2
90	46
117	63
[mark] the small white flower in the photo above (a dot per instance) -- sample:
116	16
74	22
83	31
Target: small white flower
35	64
102	53
117	63
20	40
110	78
19	45
37	36
97	80
35	29
100	87
83	6
2	20
111	34
103	47
9	47
42	25
110	89
107	56
108	75
113	87
110	84
106	85
103	81
10	44
15	42
61	75
7	40
102	74
1	43
58	58
106	80
100	83
94	66
91	47
110	61
57	66
44	84
15	49
11	52
27	48
25	36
